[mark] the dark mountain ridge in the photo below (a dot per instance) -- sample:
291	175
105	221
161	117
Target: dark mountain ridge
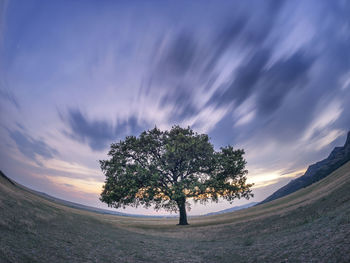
6	178
315	172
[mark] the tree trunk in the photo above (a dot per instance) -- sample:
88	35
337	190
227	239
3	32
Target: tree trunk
183	216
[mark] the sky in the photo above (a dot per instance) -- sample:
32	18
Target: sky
271	77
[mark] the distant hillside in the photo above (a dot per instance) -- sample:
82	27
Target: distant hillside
111	212
85	207
232	209
79	206
315	172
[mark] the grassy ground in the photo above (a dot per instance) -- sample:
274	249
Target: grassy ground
311	225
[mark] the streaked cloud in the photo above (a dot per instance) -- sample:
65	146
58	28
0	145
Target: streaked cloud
325	118
98	134
70	168
80	185
8	96
32	148
269	178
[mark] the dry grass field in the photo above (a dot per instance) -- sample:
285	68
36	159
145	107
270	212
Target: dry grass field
310	225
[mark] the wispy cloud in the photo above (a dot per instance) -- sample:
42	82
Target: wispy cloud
97	133
32	148
8	96
80	185
269	178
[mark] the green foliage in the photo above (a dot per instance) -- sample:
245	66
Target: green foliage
164	168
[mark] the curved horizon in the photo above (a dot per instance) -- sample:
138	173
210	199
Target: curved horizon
271	78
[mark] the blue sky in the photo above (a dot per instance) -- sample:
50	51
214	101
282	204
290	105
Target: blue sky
272	77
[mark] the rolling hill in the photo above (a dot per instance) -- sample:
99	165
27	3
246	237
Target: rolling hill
315	172
232	209
309	225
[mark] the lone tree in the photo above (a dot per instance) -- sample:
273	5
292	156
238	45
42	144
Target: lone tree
164	168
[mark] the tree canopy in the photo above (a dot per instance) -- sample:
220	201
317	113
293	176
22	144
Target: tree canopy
165	168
